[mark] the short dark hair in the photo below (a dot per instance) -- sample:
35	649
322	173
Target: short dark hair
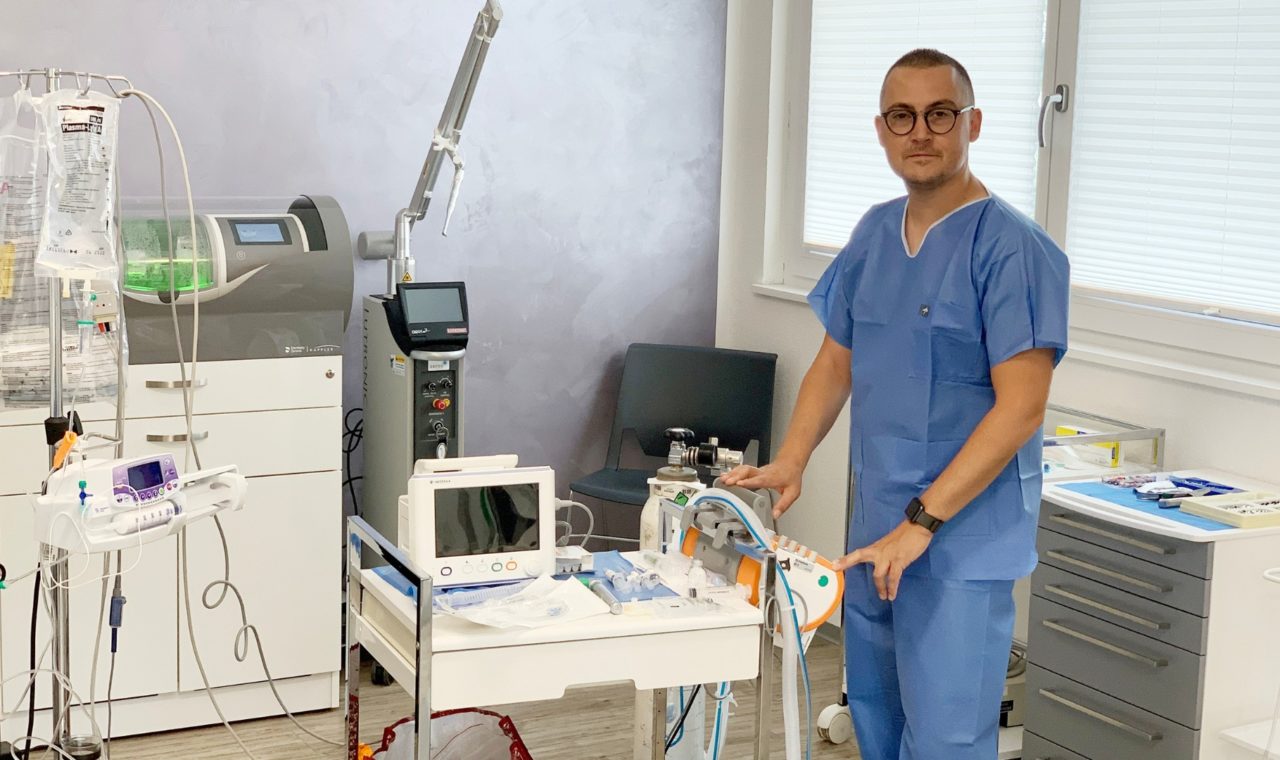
927	58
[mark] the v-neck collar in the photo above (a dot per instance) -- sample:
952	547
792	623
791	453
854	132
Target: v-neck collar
903	229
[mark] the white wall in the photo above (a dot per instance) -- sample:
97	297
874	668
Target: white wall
593	164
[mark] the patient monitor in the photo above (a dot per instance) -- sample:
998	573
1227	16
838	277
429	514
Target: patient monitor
479	520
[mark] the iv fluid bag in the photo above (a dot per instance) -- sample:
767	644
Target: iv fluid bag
89	355
77	240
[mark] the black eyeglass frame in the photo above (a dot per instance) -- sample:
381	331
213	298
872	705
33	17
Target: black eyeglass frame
915	116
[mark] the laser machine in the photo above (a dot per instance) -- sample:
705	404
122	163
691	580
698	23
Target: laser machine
415	334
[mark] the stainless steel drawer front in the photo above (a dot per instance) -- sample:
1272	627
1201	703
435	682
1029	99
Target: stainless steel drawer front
1125	572
1186	556
1131	667
1096	725
1038	748
1136	613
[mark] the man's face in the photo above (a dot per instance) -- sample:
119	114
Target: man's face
923	159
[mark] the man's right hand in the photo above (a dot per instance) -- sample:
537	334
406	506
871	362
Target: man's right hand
782	476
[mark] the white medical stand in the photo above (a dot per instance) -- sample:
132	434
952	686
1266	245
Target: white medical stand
489	666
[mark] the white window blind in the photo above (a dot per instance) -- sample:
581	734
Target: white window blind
999	42
1175	156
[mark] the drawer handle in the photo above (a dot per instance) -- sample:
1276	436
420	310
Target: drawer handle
1153	662
176	383
1095	530
175	438
1108	572
1095	604
1101	717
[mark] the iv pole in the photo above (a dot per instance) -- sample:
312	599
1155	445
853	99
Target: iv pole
394	246
53	558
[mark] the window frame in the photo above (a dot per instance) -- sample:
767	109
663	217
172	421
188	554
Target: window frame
1230	350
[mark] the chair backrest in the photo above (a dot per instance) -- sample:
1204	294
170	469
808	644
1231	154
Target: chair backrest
714	391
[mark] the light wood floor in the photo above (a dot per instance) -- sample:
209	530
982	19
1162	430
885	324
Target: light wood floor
588	724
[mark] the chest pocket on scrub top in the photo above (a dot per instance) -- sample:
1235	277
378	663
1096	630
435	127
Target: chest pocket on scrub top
949	346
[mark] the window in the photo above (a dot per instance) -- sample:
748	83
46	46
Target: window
1000	43
1159	179
1175	155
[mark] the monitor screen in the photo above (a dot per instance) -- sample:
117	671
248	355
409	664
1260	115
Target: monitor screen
422	305
259	233
486	520
145	475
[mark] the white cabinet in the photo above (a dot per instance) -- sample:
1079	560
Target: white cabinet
280	422
286	562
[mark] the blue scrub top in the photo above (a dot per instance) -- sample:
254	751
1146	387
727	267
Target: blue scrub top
924	332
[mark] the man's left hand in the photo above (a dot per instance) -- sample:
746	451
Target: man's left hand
890	555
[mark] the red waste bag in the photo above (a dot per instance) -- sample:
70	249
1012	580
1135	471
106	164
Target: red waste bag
457	735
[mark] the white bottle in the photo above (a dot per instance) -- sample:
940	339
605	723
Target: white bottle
697	577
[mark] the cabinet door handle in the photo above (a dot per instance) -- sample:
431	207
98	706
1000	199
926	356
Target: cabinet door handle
1108	572
175	438
1146	546
1152	662
1095	604
169	384
1101	717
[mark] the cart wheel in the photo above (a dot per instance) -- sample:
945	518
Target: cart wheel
381	677
835	725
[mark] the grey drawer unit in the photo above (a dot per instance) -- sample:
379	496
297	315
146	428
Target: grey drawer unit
1038	748
1101	727
1124	571
1140	615
1187	556
1144	672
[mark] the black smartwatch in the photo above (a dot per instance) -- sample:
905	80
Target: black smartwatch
917	515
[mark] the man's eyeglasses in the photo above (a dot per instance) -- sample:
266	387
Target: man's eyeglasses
940	121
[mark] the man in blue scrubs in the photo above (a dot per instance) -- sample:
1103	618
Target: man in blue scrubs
945	316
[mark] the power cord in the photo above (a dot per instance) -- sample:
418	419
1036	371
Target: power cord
351	438
679	726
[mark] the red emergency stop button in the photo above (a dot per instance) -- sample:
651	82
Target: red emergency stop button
442	403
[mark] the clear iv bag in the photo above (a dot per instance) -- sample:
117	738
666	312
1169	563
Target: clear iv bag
80	133
93	344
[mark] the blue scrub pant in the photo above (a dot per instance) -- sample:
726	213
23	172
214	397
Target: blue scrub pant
925	673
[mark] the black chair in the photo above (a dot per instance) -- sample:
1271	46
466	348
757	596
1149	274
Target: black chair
714	391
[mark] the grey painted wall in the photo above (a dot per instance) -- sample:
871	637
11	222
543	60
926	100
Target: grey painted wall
590	206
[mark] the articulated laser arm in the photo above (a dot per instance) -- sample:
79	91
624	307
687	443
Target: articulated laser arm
444	143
